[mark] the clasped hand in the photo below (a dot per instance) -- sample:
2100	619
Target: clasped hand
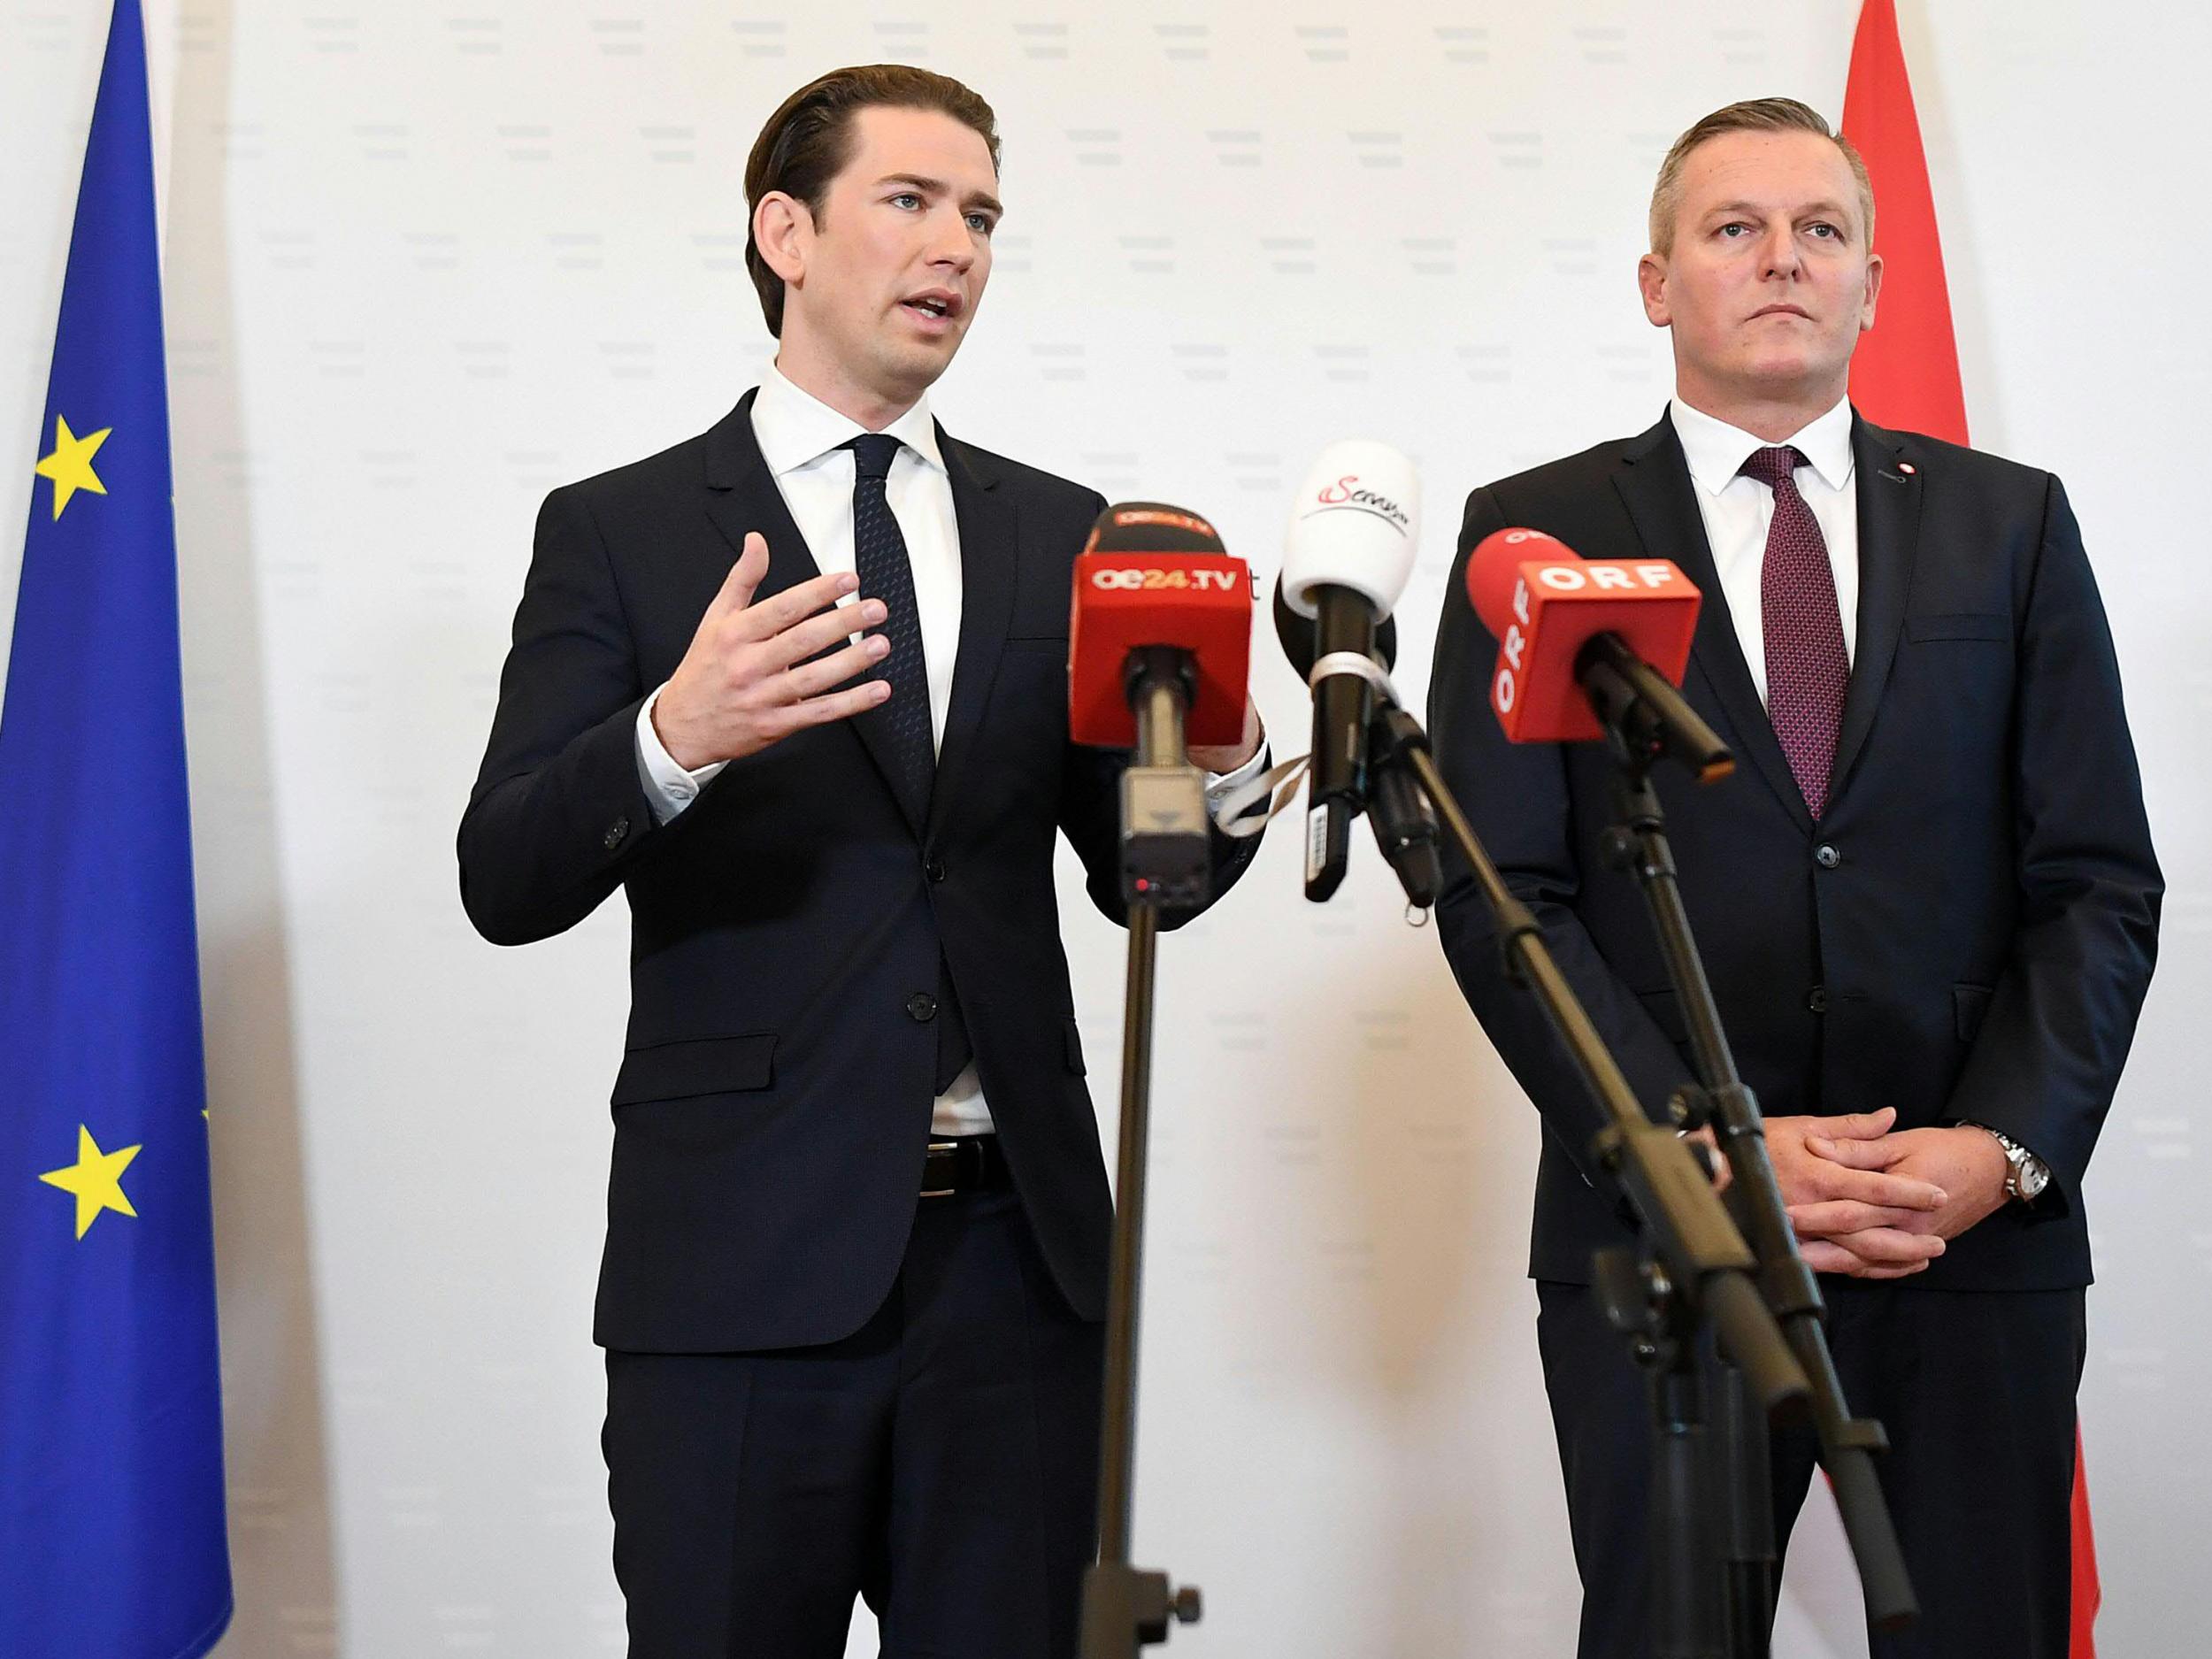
1878	1202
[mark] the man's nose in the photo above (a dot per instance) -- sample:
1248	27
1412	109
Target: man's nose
1778	254
951	243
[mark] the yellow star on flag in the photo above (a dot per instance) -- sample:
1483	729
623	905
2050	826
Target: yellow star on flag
96	1178
70	465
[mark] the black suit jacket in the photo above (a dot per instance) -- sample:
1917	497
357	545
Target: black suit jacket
1976	942
773	1103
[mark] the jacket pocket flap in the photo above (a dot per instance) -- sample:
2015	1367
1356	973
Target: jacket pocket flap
1963	625
704	1065
1969	1004
1665	1008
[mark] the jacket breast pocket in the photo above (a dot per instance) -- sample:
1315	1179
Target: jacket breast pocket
1970	1006
701	1065
1958	625
1665	1008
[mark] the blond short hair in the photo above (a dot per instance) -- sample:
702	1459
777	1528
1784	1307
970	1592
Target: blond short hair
1754	115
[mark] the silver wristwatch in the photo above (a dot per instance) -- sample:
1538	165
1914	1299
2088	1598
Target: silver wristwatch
2025	1174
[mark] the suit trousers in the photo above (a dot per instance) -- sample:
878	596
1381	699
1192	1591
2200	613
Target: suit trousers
1976	1390
941	1463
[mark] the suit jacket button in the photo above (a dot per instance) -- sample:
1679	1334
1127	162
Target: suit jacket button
616	831
921	1008
1817	999
934	870
1826	855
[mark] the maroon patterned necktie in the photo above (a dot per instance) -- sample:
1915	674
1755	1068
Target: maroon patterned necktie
1806	666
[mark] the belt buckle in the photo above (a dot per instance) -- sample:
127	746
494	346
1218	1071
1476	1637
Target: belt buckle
951	1148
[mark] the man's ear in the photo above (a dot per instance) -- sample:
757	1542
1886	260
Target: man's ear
1651	282
1873	289
783	230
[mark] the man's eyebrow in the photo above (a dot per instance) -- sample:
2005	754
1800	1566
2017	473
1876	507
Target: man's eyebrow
1833	209
937	187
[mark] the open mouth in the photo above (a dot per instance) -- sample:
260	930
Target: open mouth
936	307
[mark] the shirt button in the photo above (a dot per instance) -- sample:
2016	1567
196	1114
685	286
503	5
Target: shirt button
921	1008
616	831
1826	855
934	870
1817	999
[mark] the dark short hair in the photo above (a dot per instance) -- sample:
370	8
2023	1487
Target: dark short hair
1754	115
809	140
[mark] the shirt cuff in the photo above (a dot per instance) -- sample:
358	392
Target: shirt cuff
1220	783
668	786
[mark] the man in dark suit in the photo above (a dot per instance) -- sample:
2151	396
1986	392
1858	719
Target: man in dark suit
799	686
1927	900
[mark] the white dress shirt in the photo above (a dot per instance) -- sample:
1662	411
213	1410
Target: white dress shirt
800	439
1738	510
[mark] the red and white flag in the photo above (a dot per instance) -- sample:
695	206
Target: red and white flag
1905	374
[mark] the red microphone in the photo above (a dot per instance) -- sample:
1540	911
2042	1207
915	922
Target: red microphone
1576	636
1153	575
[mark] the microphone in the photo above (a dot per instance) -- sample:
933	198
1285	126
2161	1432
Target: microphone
1404	822
1589	645
1156	575
1345	559
1159	645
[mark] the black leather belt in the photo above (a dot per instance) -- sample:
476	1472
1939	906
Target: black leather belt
965	1163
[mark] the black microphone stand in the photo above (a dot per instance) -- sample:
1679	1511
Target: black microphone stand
1645	720
1694	1272
1165	862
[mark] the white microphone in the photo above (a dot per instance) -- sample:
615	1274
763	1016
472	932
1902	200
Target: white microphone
1346	556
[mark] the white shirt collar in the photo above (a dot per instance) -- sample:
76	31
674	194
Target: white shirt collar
1716	450
794	427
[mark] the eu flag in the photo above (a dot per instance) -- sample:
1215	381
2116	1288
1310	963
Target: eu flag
111	1534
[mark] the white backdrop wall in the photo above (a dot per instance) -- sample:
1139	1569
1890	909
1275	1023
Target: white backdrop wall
425	261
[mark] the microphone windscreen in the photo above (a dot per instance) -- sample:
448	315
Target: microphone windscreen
1495	568
1152	574
1545	603
1151	526
1354	525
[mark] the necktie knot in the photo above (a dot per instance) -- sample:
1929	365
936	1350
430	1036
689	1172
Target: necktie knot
1773	467
873	454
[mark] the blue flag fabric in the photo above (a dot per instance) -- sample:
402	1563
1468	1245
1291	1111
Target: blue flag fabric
111	1528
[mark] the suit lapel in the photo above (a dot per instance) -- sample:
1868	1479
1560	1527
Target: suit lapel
743	496
987	523
1655	485
1888	498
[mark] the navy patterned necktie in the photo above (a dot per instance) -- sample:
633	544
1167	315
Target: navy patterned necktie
879	560
1807	665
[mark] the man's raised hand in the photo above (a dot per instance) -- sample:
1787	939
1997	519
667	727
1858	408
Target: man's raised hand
745	683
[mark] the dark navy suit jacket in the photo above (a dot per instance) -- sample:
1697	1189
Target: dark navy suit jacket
1976	938
774	1103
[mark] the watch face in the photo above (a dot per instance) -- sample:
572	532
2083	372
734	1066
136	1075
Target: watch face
2033	1178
